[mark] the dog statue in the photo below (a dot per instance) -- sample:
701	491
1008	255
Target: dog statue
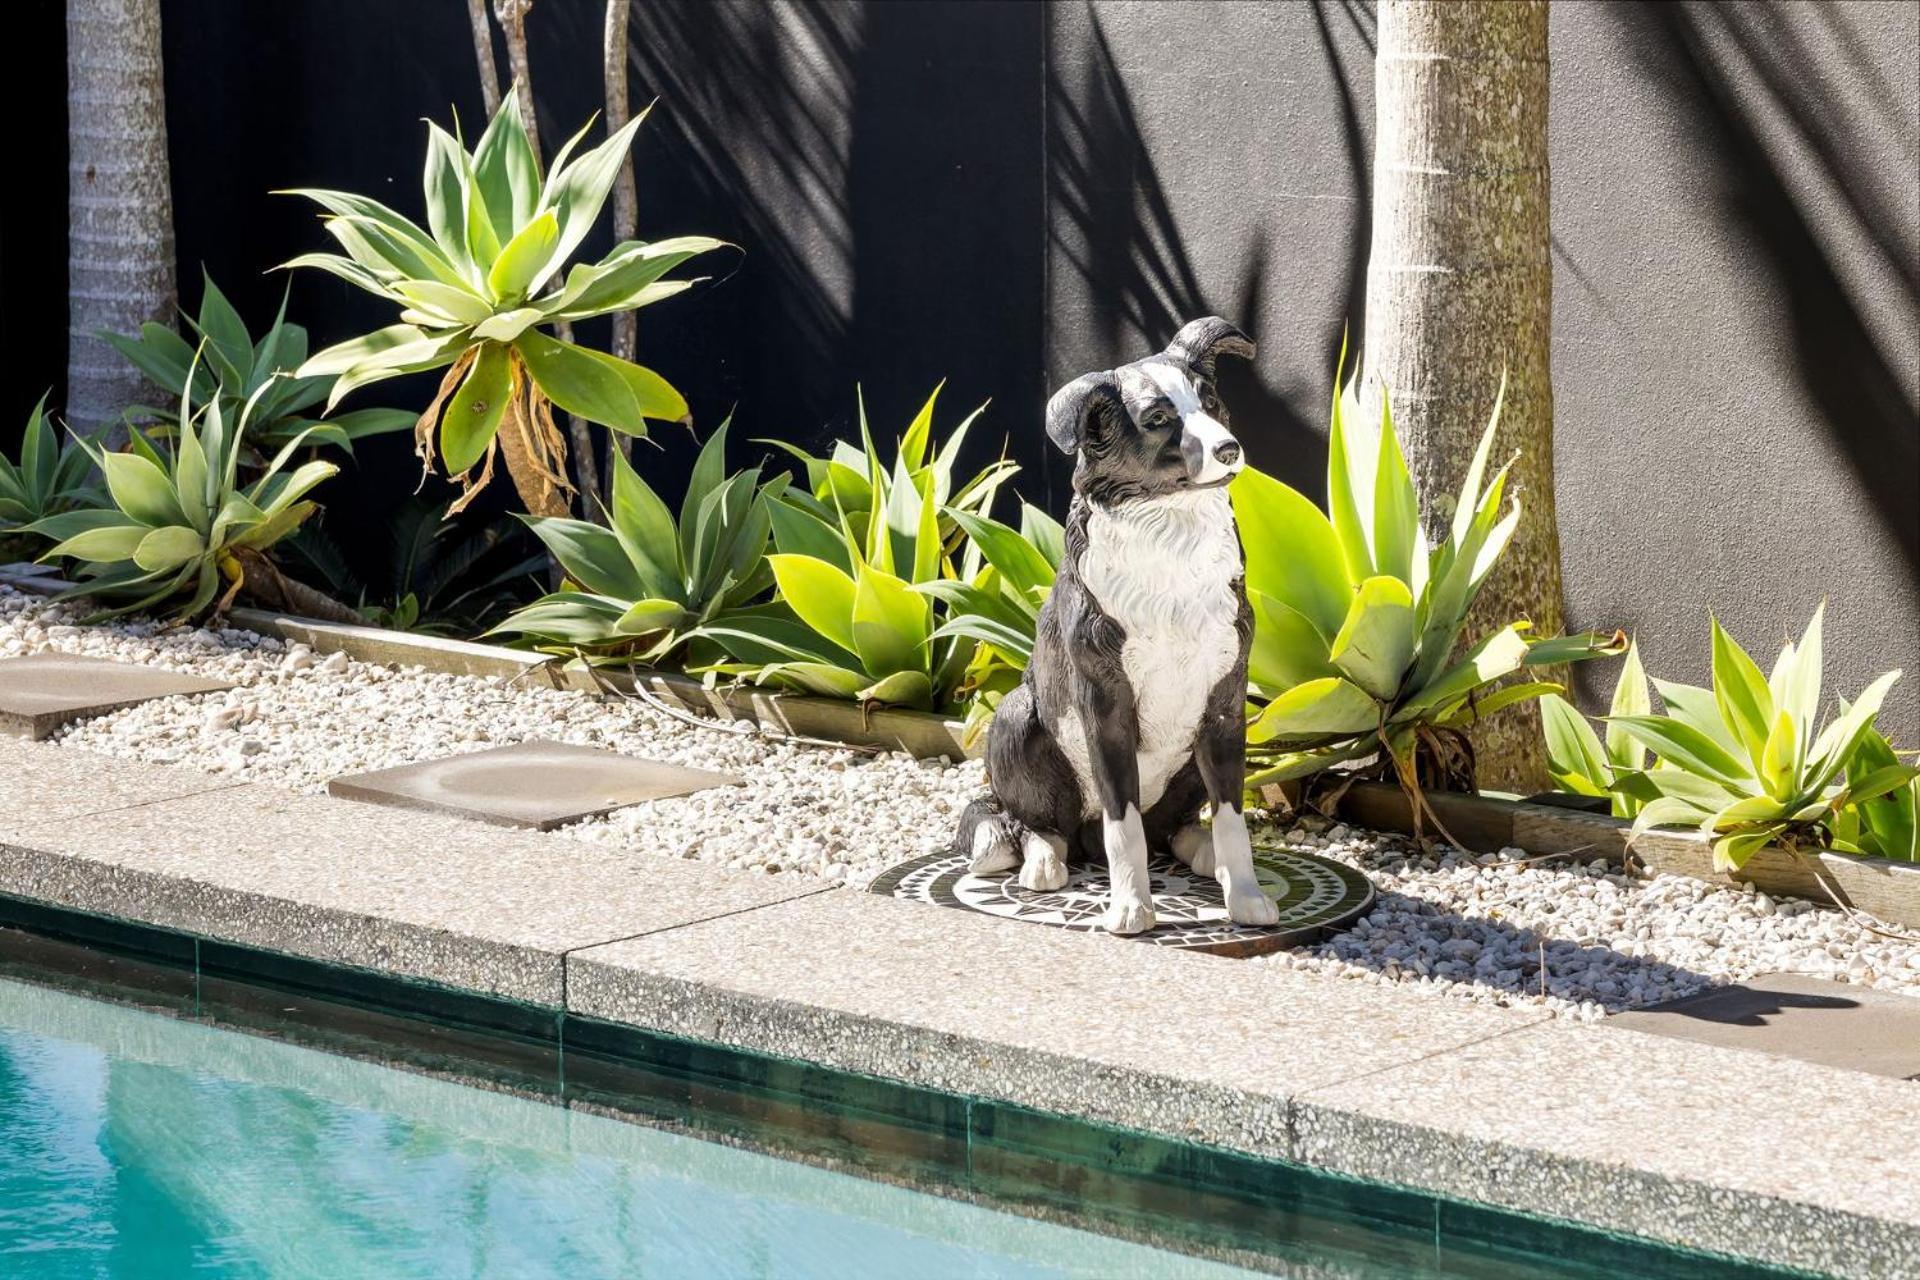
1131	714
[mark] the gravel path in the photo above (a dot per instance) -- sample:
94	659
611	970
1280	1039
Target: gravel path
1446	923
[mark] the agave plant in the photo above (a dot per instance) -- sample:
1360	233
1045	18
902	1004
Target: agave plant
1579	760
1750	763
1886	825
638	588
179	521
856	557
49	478
1356	617
234	369
478	286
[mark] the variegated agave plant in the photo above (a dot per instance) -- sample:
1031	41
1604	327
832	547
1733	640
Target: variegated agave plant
478	287
178	522
1356	615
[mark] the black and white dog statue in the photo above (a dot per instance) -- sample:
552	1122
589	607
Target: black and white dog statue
1131	715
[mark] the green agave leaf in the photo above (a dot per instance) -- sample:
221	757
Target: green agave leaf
1838	741
508	325
1282	766
455	306
628	277
1732	852
1705	794
1477	707
1744	812
1802	699
141	489
891	623
443	181
1740	692
576	190
901	689
1697	708
645	616
1575	648
1375	644
505	171
798	532
103	544
566	617
1573	748
225	331
1350	484
472	416
598	386
1631	697
645	528
1287	648
1045	533
1500	654
1891	821
397	343
820	594
1396	508
1292	552
591	556
169	548
1021	563
523	258
1683	745
1316	709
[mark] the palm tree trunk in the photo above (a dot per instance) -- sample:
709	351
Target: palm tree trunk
119	204
1459	287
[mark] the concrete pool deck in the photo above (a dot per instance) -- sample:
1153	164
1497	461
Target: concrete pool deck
1699	1145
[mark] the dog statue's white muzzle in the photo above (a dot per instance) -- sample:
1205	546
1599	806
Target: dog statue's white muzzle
1211	453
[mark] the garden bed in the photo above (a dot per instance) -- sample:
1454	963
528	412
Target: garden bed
1476	927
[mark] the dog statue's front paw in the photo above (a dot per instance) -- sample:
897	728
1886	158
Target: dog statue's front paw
1247	905
1127	917
1043	873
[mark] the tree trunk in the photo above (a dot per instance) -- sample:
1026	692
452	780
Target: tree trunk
626	328
119	205
513	21
1459	287
483	55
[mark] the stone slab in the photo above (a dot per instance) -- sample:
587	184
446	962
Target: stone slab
43	691
42	783
535	784
412	894
1795	1164
1190	1045
1793	1015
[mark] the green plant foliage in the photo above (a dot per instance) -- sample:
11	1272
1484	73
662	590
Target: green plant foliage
1750	762
48	479
638	588
234	370
478	284
1584	764
857	556
441	576
999	607
1356	616
176	522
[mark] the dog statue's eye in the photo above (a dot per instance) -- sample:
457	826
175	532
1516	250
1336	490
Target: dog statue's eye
1160	420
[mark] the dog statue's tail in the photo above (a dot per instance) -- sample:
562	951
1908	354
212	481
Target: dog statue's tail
988	837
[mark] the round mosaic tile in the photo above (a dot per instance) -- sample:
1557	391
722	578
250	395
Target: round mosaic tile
1316	896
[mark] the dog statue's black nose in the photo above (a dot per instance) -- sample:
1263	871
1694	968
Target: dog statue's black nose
1227	452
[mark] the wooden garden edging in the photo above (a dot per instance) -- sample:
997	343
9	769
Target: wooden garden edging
1887	890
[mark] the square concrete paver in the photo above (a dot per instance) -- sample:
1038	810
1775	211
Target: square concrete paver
43	691
1792	1015
531	784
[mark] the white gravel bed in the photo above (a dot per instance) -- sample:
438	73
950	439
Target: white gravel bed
1464	926
1482	926
297	720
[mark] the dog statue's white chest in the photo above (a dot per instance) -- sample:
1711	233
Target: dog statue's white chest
1164	570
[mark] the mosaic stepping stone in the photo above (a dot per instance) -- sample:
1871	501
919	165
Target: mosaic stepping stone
535	784
1794	1015
43	691
1316	895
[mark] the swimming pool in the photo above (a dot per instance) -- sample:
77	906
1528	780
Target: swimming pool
138	1145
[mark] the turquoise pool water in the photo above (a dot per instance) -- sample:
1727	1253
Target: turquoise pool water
135	1146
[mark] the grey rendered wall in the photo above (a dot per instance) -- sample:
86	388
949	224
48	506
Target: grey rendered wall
1737	283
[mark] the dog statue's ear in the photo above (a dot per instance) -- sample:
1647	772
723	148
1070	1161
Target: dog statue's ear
1075	404
1201	342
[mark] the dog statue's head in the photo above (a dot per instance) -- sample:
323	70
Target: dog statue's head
1154	427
